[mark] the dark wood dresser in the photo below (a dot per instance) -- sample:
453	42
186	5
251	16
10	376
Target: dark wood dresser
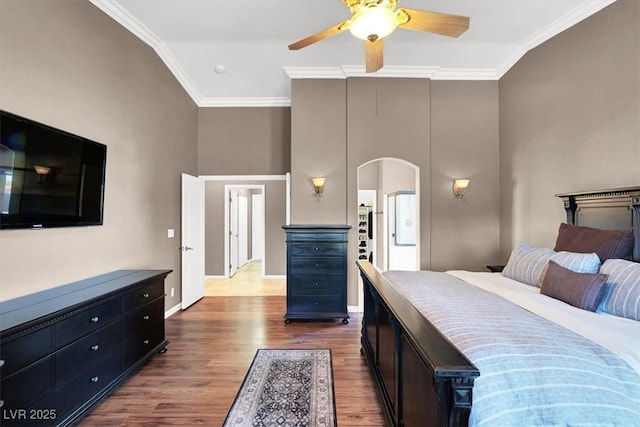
317	272
63	349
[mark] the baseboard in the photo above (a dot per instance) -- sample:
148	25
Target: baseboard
275	276
173	310
216	277
354	309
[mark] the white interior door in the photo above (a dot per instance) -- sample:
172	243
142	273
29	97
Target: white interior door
192	240
257	227
243	230
233	232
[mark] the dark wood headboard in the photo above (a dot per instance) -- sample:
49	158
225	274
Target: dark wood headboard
617	208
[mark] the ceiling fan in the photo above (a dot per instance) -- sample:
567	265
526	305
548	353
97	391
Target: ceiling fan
373	20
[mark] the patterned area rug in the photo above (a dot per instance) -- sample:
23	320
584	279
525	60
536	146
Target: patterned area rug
286	388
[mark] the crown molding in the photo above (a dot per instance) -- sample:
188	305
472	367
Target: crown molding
128	21
578	14
245	102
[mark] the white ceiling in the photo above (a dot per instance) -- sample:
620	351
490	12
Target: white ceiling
249	39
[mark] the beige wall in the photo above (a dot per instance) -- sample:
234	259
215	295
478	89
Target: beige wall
444	128
65	63
244	141
465	233
275	217
318	149
569	121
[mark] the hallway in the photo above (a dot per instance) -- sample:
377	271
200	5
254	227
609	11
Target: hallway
246	282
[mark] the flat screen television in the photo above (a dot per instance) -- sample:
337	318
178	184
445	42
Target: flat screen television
48	177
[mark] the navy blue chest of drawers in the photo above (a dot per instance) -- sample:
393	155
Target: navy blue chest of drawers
317	272
62	350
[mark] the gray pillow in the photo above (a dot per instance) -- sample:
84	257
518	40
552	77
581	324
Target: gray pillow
582	290
624	280
606	243
527	264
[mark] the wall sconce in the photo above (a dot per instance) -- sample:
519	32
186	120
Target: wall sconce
458	187
318	185
42	170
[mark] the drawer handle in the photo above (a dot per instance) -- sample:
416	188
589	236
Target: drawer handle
145	342
95	379
145	295
1	403
95	319
316	264
1	363
95	347
316	283
146	317
317	248
317	303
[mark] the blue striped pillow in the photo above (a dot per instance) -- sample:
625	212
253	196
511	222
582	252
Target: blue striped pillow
580	263
624	280
527	264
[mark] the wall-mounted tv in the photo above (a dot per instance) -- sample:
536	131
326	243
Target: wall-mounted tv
48	177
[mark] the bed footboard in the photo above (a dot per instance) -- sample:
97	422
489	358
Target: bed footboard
420	378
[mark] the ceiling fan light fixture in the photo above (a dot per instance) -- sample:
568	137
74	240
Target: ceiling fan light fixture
373	23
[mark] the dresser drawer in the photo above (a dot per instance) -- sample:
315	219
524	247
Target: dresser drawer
317	266
316	249
87	321
316	304
88	351
317	237
24	387
144	295
86	385
138	323
315	285
25	350
142	342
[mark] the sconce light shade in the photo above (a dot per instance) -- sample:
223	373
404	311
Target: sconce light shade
318	185
459	186
41	170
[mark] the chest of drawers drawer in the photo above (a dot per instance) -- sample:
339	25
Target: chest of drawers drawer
87	321
144	295
316	249
88	383
24	350
21	389
317	266
315	285
88	351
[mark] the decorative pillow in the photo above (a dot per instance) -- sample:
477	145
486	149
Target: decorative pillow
624	279
580	263
582	290
527	264
606	243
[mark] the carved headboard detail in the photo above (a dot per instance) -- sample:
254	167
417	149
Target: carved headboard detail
617	208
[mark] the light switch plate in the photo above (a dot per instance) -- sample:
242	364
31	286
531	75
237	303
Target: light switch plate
171	233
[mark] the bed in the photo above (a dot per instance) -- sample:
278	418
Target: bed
552	340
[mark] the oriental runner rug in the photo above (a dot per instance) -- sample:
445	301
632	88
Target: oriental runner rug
286	388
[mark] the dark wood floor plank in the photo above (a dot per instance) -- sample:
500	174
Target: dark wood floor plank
211	348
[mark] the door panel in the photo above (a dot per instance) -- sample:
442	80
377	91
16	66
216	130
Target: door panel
192	240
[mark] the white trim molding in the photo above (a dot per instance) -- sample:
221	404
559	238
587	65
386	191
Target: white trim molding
173	310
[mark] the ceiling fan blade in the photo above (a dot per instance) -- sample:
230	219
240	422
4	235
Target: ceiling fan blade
374	55
324	34
433	22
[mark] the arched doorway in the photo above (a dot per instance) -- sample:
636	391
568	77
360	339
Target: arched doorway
388	213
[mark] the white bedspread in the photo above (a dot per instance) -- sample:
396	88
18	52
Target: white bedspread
617	334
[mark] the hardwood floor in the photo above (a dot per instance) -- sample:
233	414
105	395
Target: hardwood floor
211	347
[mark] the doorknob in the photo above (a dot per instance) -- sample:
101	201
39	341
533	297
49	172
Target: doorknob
185	248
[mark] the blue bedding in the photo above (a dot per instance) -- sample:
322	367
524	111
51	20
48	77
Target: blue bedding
533	372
